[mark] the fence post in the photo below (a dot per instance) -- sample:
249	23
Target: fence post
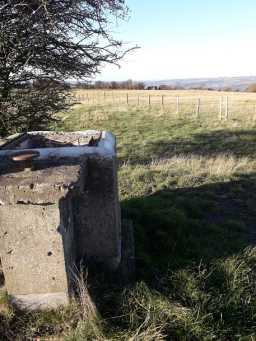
162	100
104	96
127	99
138	99
177	105
227	108
220	108
198	108
149	100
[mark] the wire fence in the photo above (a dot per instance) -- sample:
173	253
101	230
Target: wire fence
222	107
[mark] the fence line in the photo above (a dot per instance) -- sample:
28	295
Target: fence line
223	106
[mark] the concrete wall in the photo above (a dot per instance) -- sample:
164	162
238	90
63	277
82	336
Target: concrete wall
97	217
37	233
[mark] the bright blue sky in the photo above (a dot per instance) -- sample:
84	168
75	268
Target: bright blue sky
187	39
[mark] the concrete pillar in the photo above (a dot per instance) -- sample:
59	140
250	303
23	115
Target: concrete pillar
98	223
37	233
58	204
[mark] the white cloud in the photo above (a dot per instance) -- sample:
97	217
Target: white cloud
214	59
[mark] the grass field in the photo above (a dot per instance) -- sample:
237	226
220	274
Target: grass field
189	187
177	103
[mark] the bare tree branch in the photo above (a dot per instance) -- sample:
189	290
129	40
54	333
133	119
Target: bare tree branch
43	40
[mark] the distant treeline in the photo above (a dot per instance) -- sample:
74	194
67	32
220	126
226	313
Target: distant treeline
124	85
127	85
134	85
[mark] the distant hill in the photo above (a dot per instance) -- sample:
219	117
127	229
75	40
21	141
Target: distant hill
220	83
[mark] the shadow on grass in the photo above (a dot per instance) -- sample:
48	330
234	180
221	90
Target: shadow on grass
178	232
237	143
175	229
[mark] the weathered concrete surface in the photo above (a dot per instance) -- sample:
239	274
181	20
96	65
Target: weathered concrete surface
32	249
50	139
55	210
105	146
37	250
42	182
37	230
97	218
40	301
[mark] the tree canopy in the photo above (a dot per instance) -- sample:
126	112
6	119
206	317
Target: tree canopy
47	41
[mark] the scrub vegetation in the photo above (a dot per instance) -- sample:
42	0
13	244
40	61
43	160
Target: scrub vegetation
189	187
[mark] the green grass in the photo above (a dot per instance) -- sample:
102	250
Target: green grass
189	186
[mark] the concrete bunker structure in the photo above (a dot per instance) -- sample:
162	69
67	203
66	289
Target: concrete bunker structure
58	205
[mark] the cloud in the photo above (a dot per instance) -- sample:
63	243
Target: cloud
211	59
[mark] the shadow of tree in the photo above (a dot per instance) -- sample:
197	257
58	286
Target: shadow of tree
236	143
183	227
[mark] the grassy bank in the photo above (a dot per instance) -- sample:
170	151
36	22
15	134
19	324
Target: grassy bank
189	186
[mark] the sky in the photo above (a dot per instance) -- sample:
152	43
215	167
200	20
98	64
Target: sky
186	39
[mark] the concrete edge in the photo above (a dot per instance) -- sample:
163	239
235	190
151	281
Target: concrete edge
39	301
106	148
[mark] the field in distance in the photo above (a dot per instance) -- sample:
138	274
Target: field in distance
218	104
168	93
